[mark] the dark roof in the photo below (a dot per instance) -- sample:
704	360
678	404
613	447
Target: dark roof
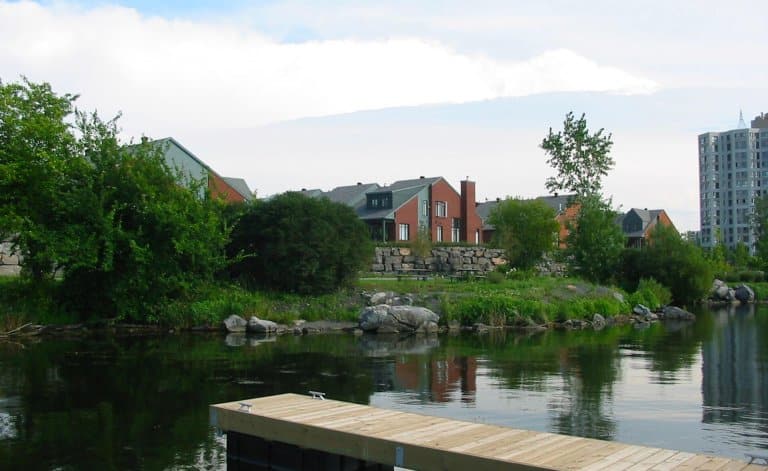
559	203
647	216
351	195
402	192
484	211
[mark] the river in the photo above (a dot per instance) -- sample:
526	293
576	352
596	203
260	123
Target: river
104	402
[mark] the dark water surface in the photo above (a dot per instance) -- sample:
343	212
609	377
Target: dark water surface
127	403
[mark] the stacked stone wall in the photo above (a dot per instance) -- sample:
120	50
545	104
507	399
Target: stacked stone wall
438	260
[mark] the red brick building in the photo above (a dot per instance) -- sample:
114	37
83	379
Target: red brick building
398	212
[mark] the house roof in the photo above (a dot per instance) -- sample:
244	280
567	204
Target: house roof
402	192
484	211
240	186
558	202
647	216
351	195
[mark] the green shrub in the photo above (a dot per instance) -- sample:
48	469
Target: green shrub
293	243
661	293
495	277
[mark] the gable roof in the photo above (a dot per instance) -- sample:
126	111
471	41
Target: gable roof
648	218
558	202
351	195
240	186
402	192
484	211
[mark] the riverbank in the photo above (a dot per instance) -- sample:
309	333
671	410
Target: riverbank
531	302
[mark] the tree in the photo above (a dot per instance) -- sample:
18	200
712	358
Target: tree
673	262
525	229
580	159
115	223
298	244
596	242
40	175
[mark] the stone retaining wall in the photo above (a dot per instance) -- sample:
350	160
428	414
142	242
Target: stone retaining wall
439	260
9	261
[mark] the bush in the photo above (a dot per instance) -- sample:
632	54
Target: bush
293	243
661	293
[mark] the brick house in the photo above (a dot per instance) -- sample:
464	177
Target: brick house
638	224
231	190
398	211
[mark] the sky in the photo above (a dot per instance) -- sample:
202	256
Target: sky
298	94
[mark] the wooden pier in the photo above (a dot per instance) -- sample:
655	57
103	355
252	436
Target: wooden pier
295	432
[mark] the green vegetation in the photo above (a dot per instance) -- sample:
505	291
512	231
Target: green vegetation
525	229
581	159
293	243
596	242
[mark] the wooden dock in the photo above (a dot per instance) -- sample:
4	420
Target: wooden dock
420	442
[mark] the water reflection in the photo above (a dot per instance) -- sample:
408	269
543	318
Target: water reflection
735	381
124	403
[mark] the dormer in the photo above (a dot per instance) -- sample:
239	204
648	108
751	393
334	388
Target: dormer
382	200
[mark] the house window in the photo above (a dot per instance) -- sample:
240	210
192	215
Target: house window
441	209
403	231
455	230
425	208
477	236
439	233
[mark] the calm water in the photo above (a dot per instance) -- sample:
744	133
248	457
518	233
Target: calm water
126	403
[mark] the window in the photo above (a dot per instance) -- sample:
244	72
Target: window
425	208
441	209
439	233
477	236
403	231
456	230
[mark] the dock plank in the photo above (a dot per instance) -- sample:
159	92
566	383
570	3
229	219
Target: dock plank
423	442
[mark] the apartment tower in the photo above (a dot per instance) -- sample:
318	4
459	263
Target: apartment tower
733	175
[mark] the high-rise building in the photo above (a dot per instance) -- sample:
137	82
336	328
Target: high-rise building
733	175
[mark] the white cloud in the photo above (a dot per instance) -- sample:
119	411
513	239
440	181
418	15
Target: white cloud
165	74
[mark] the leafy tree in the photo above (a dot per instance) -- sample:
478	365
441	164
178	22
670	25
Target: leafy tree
526	229
596	242
41	175
581	159
298	244
673	262
117	224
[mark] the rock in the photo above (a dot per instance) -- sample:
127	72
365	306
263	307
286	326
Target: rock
721	292
389	297
598	322
260	326
675	313
744	294
237	339
384	318
641	310
235	323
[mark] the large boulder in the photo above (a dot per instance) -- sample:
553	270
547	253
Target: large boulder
384	318
261	326
641	310
598	322
744	294
677	314
721	292
235	323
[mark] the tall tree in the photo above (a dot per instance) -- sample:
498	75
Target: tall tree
526	229
595	243
580	159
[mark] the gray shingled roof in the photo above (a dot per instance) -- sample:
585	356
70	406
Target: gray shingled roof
559	203
351	195
240	186
402	192
484	211
647	216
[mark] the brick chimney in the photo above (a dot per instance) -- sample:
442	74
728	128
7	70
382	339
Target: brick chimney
470	221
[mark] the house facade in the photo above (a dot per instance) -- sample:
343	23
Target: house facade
398	212
638	224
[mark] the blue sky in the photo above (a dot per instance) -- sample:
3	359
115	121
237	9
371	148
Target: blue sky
292	94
